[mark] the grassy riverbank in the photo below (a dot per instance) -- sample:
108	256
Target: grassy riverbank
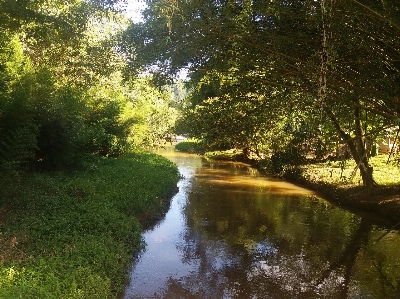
73	235
334	180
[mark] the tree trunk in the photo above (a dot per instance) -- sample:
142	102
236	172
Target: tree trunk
361	157
356	146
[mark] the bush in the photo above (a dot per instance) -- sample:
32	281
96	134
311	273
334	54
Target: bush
17	147
190	146
292	173
282	161
51	123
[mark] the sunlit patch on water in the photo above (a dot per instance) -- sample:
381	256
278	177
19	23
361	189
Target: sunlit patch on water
240	180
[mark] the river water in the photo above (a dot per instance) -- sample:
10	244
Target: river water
233	233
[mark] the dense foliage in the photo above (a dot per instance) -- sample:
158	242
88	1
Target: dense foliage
69	209
268	75
189	146
64	91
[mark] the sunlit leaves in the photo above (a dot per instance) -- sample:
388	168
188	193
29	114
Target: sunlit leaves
152	112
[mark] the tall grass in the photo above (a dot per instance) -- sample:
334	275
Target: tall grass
341	173
73	235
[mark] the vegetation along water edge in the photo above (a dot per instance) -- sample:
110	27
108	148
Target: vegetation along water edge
83	84
73	235
337	180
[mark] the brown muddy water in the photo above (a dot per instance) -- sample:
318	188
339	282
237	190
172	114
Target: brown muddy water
233	233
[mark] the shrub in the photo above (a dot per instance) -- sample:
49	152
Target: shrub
279	162
189	146
17	147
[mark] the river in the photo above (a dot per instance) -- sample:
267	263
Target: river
233	233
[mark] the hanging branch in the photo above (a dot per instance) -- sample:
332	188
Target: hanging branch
326	20
386	19
324	57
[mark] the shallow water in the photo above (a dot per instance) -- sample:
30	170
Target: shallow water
233	233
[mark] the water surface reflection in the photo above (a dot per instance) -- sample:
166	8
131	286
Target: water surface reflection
232	233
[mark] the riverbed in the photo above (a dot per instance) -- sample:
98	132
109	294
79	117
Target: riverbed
233	233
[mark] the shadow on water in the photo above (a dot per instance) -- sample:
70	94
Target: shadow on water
232	233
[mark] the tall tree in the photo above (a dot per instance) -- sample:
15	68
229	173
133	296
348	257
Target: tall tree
54	58
341	56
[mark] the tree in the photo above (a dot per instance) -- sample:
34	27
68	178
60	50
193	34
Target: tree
343	65
60	83
363	71
152	112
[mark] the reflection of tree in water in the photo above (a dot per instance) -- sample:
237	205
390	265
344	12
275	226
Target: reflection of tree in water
346	261
267	265
219	275
249	244
262	272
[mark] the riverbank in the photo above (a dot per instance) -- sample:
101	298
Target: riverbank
335	181
73	235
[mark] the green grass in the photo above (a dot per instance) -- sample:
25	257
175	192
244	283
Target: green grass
74	235
340	172
334	181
